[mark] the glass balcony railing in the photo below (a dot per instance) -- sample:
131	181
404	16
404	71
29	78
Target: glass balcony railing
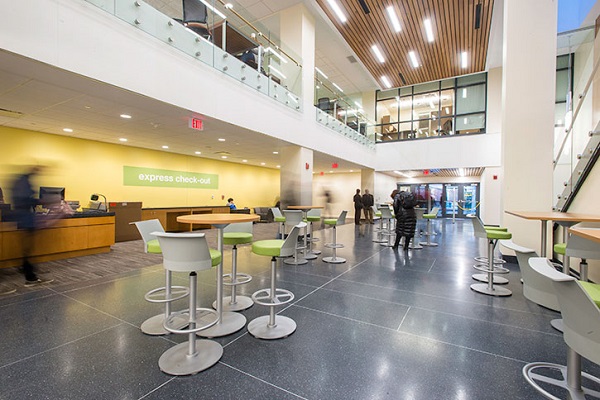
225	40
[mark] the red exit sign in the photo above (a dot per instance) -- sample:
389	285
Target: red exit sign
196	123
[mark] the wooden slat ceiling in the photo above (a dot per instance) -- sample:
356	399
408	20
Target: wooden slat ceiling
453	29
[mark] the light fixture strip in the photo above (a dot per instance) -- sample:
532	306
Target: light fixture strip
413	59
378	53
211	8
394	18
428	30
337	10
278	72
337	87
386	82
270	50
463	59
321	72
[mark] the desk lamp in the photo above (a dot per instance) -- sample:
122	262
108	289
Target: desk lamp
101	207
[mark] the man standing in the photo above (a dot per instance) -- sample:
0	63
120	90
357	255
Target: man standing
368	202
357	207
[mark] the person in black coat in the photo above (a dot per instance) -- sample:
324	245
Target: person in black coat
406	217
358	205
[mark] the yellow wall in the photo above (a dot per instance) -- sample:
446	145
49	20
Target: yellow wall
84	167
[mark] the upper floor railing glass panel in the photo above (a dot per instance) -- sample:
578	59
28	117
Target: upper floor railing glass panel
214	33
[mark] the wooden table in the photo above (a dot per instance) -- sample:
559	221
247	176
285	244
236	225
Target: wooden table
564	219
592	234
229	322
305	209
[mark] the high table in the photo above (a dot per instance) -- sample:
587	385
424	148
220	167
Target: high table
591	234
305	210
228	322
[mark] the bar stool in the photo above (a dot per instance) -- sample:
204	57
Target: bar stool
272	326
189	252
335	245
313	215
489	289
377	214
293	218
429	217
386	214
579	302
414	244
234	234
482	262
278	217
166	294
582	248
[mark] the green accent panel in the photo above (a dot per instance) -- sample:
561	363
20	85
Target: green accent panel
237	237
279	219
560	248
330	221
154	247
215	256
492	234
495	228
429	216
138	176
267	247
593	290
313	218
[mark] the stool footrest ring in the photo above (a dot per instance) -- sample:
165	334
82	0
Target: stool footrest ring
170	322
158	295
533	379
334	245
264	298
497	270
240	279
483	259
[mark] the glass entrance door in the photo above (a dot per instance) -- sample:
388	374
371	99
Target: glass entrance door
451	201
470	199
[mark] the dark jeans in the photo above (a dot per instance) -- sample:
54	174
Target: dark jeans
28	267
357	211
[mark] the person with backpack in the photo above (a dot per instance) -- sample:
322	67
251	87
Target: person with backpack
406	217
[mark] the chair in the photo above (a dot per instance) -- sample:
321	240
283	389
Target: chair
341	220
293	218
270	326
429	217
579	302
378	237
278	217
168	293
386	215
415	243
313	215
234	234
189	252
482	263
195	15
583	248
324	104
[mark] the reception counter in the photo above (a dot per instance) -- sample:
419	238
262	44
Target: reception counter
78	235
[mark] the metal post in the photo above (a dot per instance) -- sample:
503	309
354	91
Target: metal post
167	293
192	302
273	293
233	275
573	369
490	264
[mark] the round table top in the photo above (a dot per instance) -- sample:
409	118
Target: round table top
305	207
217	219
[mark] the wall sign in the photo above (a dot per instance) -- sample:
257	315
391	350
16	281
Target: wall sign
138	176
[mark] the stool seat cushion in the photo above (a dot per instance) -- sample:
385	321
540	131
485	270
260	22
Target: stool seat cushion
493	234
429	216
153	246
237	237
279	219
593	290
495	228
215	256
330	221
560	248
267	247
378	214
313	218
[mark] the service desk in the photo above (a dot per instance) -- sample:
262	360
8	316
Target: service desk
168	216
77	235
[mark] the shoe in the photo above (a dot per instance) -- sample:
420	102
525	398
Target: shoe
394	247
37	282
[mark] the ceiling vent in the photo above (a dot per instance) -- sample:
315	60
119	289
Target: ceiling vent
351	59
364	6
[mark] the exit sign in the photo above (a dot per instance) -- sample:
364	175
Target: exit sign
196	123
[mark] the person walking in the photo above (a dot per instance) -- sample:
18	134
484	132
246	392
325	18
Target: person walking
406	217
357	207
368	201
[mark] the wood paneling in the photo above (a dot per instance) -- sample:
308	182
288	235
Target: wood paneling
454	31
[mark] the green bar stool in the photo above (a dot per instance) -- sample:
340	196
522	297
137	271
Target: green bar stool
279	218
378	238
334	259
386	214
234	234
272	326
429	217
294	218
489	289
482	263
167	294
313	215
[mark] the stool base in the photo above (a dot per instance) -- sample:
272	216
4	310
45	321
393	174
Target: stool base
498	280
310	256
154	325
315	251
176	360
430	244
574	394
415	246
494	291
259	327
558	324
299	261
230	322
332	260
241	303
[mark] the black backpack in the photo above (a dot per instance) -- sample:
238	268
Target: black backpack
408	199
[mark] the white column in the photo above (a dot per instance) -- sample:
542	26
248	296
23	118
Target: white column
296	176
528	91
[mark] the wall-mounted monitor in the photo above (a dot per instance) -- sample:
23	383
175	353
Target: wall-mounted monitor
51	195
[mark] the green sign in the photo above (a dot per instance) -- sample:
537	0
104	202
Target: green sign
137	176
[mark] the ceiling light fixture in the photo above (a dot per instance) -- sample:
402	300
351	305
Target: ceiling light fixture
229	6
244	160
337	10
165	147
464	93
198	152
403	174
478	16
364	6
69	130
461	171
338	88
463	59
402	78
275	152
223	157
386	82
394	18
221	140
413	59
125	116
278	72
321	72
428	30
211	8
122	139
357	104
262	163
270	50
377	53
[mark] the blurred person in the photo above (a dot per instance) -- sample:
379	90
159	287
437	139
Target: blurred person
406	217
231	204
24	204
368	201
358	205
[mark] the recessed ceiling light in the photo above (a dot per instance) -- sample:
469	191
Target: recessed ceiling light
122	139
68	130
244	160
87	107
351	170
386	82
321	72
262	163
126	116
275	152
413	59
338	88
197	152
337	10
223	157
165	147
428	30
377	53
221	140
394	18
463	59
279	166
331	172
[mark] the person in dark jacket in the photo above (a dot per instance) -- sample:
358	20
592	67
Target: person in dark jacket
368	201
358	205
406	217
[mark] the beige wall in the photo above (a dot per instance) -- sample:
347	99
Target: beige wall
84	167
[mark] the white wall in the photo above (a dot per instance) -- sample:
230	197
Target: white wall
342	187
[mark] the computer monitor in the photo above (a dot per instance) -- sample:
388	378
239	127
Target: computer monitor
51	195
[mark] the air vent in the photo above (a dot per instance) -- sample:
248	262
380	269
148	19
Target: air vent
364	6
351	59
9	113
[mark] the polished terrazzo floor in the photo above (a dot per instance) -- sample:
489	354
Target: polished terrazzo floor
383	325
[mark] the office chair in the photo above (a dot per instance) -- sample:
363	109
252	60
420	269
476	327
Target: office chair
325	105
194	17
